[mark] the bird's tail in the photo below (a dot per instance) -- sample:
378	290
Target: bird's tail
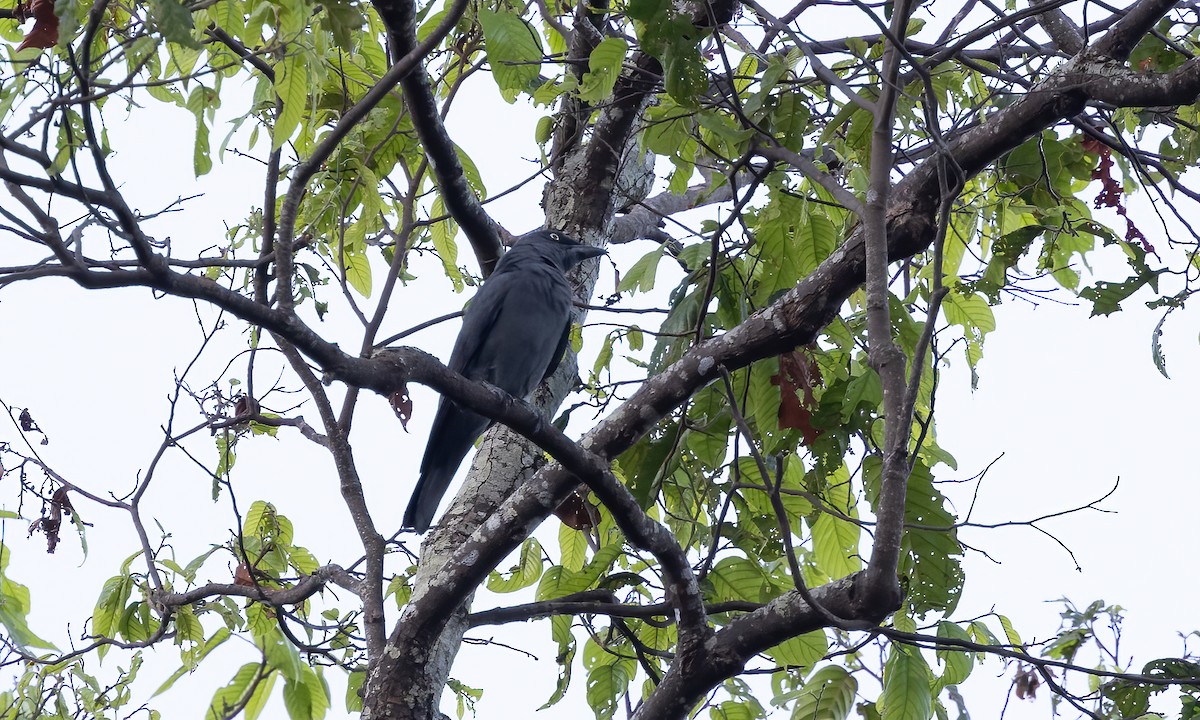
454	432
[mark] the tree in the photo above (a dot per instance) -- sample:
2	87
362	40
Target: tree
845	214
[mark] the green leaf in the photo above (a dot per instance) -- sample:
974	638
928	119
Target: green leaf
640	277
604	67
572	546
667	126
790	120
1106	297
1160	360
865	387
443	233
735	578
230	16
354	685
291	85
936	575
685	77
111	605
906	694
345	22
303	560
318	692
817	240
174	21
1010	632
647	10
262	693
835	546
187	626
970	312
525	573
608	677
282	655
231	696
557	582
827	695
471	173
981	634
514	52
202	100
731	710
958	663
544	130
297	701
802	651
12	617
258	518
358	271
226	452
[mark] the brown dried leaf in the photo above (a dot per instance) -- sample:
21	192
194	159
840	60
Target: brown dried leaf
402	406
241	576
798	375
577	513
1027	682
44	33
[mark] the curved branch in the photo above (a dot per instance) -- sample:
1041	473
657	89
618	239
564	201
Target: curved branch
305	171
484	234
294	595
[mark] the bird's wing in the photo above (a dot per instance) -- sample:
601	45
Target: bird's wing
559	351
478	320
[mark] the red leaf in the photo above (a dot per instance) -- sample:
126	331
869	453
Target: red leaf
241	576
798	375
1027	683
402	406
577	513
245	407
1110	194
44	33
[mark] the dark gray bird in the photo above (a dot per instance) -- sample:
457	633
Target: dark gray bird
513	336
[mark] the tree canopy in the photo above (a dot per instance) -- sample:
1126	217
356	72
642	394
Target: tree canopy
821	205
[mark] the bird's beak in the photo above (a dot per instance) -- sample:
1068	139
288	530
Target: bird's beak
583	252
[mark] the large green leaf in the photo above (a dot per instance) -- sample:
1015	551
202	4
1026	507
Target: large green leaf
525	573
906	694
801	651
514	52
291	85
827	695
604	67
957	663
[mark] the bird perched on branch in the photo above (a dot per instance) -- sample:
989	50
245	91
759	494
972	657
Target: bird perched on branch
513	336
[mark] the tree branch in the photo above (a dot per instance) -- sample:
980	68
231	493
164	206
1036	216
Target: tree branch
484	234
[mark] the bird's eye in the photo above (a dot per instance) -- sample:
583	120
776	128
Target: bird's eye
554	237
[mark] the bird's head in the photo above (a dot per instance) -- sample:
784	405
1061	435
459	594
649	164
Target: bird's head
564	250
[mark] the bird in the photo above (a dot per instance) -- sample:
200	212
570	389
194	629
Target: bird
513	336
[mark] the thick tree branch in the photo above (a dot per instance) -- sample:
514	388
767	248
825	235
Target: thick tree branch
595	602
1062	30
399	16
1127	32
1125	88
885	355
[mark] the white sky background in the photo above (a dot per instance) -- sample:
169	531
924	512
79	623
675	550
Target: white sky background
1072	403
